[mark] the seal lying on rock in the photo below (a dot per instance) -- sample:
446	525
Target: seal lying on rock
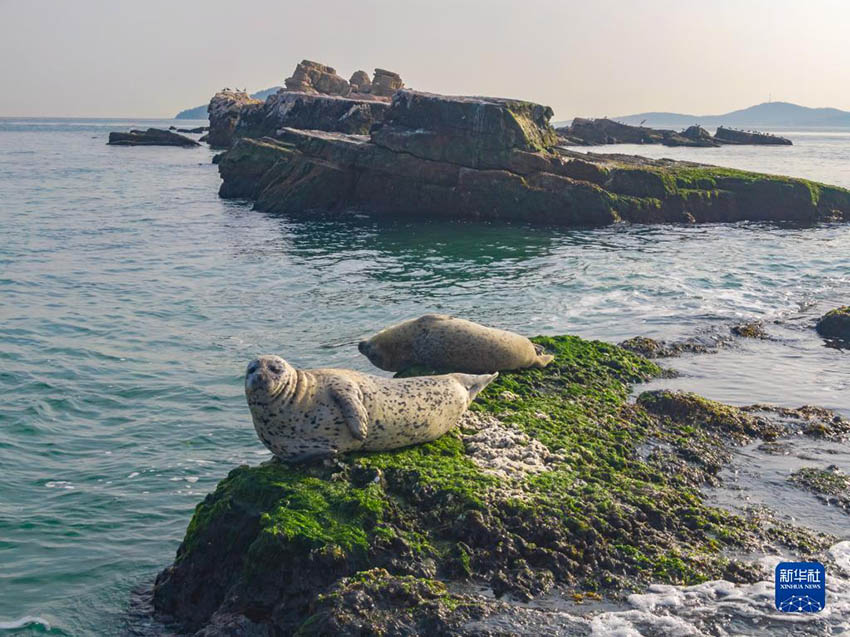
445	343
301	414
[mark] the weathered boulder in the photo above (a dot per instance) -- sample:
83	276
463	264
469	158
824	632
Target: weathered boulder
225	109
385	83
360	82
732	136
312	77
150	137
555	481
835	324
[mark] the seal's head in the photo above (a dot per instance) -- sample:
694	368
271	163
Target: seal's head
390	349
266	377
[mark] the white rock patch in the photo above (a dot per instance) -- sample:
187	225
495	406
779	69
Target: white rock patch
502	451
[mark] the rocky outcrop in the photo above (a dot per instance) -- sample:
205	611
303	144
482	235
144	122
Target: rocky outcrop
150	137
835	324
373	543
225	109
483	158
732	136
294	110
592	132
315	98
318	79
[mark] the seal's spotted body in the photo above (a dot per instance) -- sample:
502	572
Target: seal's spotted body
299	414
445	343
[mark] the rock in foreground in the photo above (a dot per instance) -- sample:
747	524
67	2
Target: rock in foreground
554	480
496	159
150	137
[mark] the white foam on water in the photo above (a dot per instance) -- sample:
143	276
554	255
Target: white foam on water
59	484
23	622
724	608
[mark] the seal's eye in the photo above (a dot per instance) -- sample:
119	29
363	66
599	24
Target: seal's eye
252	367
275	368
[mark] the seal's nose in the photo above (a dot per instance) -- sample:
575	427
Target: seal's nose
363	346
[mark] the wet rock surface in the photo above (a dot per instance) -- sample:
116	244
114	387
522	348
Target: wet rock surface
835	324
150	137
831	485
554	482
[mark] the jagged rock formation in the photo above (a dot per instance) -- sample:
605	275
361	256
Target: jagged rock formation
592	132
224	110
313	99
484	158
150	137
732	136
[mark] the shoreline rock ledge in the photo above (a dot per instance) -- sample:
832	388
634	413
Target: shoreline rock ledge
498	159
553	482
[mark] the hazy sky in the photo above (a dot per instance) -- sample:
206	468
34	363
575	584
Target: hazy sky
592	57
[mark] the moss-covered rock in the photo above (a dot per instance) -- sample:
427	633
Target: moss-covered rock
835	324
830	485
553	480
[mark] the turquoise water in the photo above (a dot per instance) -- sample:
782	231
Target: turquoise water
131	298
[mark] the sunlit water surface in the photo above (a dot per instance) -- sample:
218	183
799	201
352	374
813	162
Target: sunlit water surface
131	298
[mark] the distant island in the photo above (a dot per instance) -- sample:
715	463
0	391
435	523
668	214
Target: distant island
200	112
768	114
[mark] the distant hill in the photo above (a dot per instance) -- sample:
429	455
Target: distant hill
200	112
769	115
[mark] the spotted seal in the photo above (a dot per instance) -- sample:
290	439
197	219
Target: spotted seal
301	414
449	344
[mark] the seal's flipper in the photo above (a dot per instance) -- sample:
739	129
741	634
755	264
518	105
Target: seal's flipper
474	383
543	360
354	413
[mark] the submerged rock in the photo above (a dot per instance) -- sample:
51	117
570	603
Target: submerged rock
150	137
831	485
752	329
835	324
489	159
546	487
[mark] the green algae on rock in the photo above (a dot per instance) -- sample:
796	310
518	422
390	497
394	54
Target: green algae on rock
595	494
830	485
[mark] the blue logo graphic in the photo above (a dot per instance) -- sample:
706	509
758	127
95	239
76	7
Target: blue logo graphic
800	587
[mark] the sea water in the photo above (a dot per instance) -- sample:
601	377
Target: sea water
132	297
